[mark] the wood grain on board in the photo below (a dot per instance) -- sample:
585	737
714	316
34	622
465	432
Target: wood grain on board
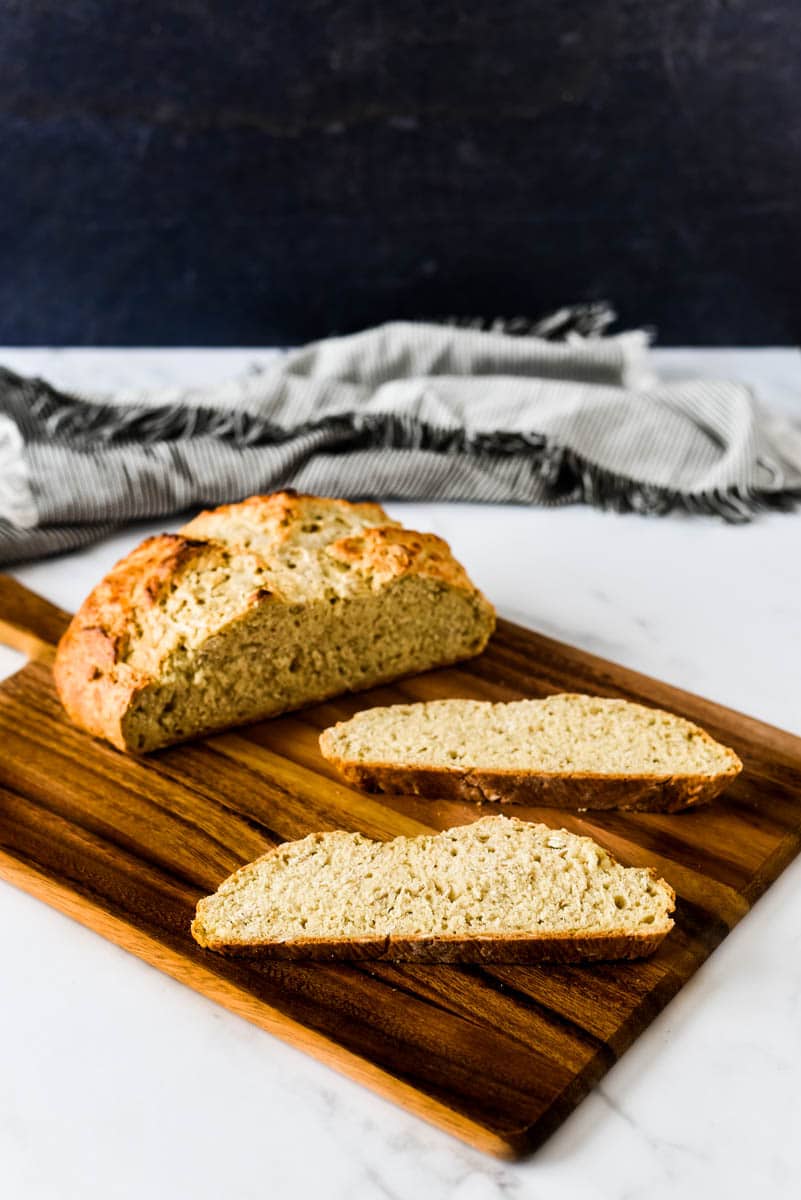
498	1056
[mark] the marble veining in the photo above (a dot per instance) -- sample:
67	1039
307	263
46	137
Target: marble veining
117	1081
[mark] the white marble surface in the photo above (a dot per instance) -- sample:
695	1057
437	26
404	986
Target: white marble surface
117	1082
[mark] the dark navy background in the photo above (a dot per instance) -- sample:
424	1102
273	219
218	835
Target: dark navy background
245	173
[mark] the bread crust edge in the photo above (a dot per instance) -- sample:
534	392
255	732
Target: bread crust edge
577	791
569	947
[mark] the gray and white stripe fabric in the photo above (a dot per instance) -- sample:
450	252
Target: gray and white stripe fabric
407	410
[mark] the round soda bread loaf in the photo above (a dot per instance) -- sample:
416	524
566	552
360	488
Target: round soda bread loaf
566	751
497	890
257	608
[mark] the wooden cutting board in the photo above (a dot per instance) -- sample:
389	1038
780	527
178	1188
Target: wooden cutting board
498	1056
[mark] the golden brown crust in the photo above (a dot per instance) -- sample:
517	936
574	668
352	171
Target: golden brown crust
568	947
276	515
94	680
388	552
286	505
109	654
657	793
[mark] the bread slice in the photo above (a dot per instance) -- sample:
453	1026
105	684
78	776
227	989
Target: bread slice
567	751
497	890
257	608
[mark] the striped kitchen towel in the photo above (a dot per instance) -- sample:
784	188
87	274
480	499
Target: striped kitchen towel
407	410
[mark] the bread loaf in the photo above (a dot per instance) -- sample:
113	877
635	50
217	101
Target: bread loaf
567	751
256	608
498	890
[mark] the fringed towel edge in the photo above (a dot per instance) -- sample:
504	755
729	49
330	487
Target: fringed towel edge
564	475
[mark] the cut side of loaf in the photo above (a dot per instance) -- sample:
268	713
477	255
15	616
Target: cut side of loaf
498	890
566	751
257	608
